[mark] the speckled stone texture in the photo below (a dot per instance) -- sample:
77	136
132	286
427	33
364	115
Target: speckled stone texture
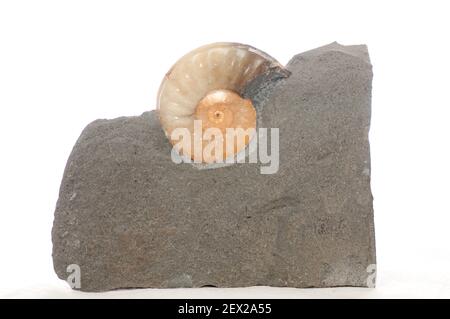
130	217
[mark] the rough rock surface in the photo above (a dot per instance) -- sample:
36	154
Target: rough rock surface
130	217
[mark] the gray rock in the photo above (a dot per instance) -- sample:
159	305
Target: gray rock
130	217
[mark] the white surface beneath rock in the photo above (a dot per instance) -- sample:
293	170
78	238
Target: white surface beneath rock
417	281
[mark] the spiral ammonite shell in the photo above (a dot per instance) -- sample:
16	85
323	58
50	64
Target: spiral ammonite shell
206	84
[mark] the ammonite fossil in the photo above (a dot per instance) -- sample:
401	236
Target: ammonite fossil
208	85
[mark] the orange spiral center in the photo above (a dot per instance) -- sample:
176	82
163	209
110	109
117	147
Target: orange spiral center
225	109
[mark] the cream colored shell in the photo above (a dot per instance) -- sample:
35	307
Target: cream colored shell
219	69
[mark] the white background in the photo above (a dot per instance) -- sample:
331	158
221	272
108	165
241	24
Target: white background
64	64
